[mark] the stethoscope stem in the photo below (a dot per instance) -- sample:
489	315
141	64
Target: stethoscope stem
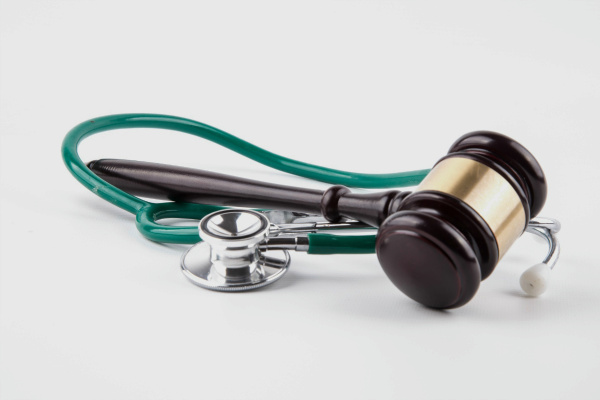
292	243
291	233
289	222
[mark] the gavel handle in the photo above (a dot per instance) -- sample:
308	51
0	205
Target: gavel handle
167	182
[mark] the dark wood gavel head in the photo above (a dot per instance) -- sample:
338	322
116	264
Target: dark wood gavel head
450	233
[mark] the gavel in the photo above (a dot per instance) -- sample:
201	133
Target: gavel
436	244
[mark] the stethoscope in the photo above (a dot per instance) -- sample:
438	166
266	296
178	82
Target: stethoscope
435	244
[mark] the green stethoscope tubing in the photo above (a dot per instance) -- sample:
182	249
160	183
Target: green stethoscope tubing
147	214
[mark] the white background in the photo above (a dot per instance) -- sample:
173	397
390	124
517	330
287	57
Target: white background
89	309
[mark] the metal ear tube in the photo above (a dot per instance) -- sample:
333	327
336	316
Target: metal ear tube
534	281
436	243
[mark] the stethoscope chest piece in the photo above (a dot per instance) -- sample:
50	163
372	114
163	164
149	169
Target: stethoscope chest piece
229	259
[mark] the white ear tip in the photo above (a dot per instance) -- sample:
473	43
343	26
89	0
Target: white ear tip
535	280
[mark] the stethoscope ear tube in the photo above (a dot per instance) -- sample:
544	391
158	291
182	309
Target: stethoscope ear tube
535	280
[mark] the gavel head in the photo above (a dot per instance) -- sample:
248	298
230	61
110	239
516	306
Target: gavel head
449	234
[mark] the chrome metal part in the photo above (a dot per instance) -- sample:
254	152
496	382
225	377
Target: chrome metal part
285	242
547	228
289	222
196	265
229	258
543	222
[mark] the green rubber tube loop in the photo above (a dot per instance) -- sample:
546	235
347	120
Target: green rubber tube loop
146	217
148	213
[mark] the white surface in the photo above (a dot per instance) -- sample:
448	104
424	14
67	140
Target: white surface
89	309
